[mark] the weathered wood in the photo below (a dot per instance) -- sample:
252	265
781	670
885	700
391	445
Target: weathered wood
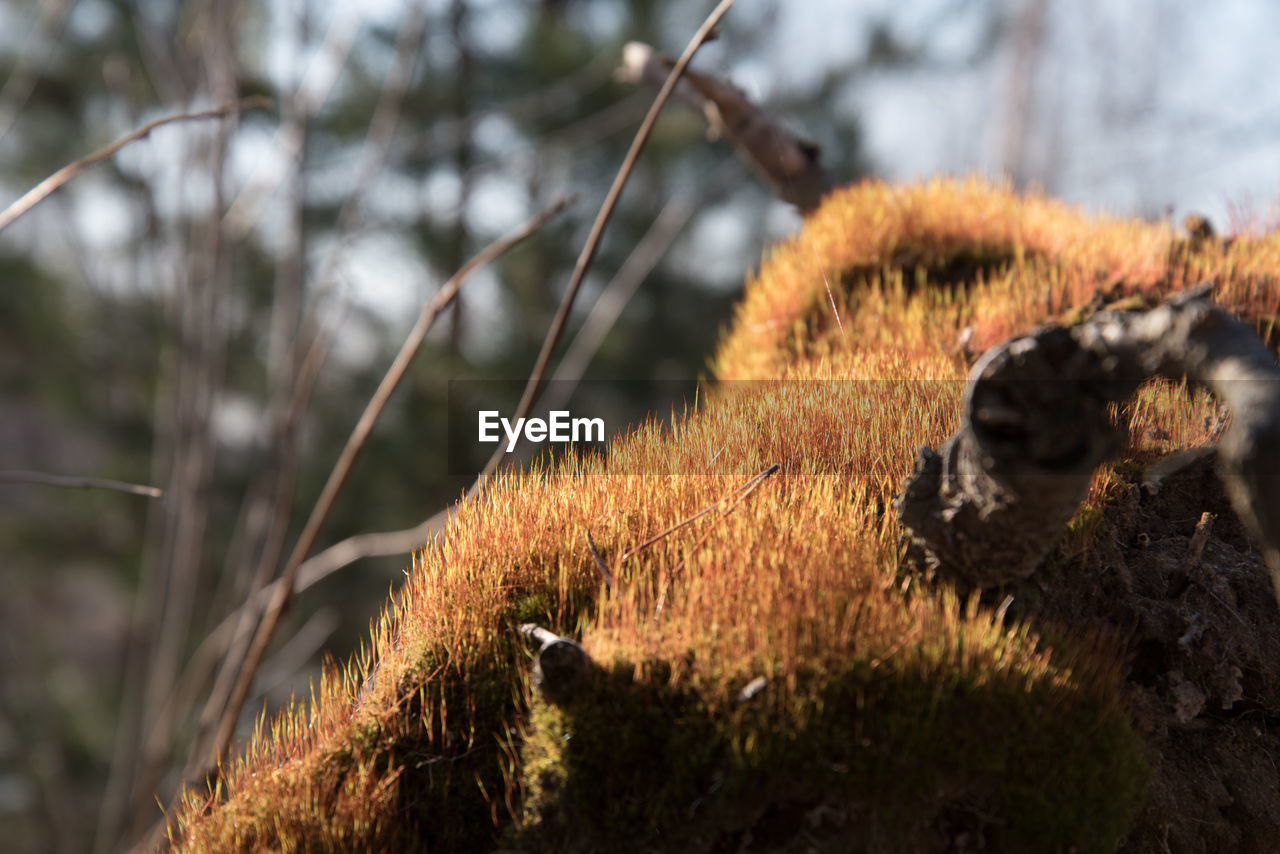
987	506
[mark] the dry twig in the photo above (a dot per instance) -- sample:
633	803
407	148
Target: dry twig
601	565
42	479
54	182
737	496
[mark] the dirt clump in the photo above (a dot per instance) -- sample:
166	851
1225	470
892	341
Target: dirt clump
1171	571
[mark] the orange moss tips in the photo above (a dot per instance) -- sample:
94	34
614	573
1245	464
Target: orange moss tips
796	583
902	239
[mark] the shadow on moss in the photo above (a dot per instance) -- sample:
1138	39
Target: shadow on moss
872	761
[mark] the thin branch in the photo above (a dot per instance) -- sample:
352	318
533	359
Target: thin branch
669	223
294	654
338	477
608	307
80	483
739	494
54	182
537	376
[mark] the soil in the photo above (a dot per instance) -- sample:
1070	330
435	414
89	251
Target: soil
1194	605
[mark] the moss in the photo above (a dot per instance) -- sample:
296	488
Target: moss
641	764
889	722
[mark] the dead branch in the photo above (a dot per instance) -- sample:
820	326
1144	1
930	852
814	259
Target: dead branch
737	497
990	502
54	182
789	164
337	478
42	479
588	254
560	665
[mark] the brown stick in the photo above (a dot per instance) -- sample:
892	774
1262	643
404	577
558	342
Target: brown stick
338	477
549	344
80	482
54	182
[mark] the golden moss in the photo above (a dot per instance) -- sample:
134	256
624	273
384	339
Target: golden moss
883	702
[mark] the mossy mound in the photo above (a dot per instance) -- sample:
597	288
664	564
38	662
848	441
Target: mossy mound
904	753
892	718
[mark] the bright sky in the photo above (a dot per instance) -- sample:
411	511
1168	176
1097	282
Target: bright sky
1135	106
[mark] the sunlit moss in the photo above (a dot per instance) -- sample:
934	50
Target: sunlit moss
886	708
